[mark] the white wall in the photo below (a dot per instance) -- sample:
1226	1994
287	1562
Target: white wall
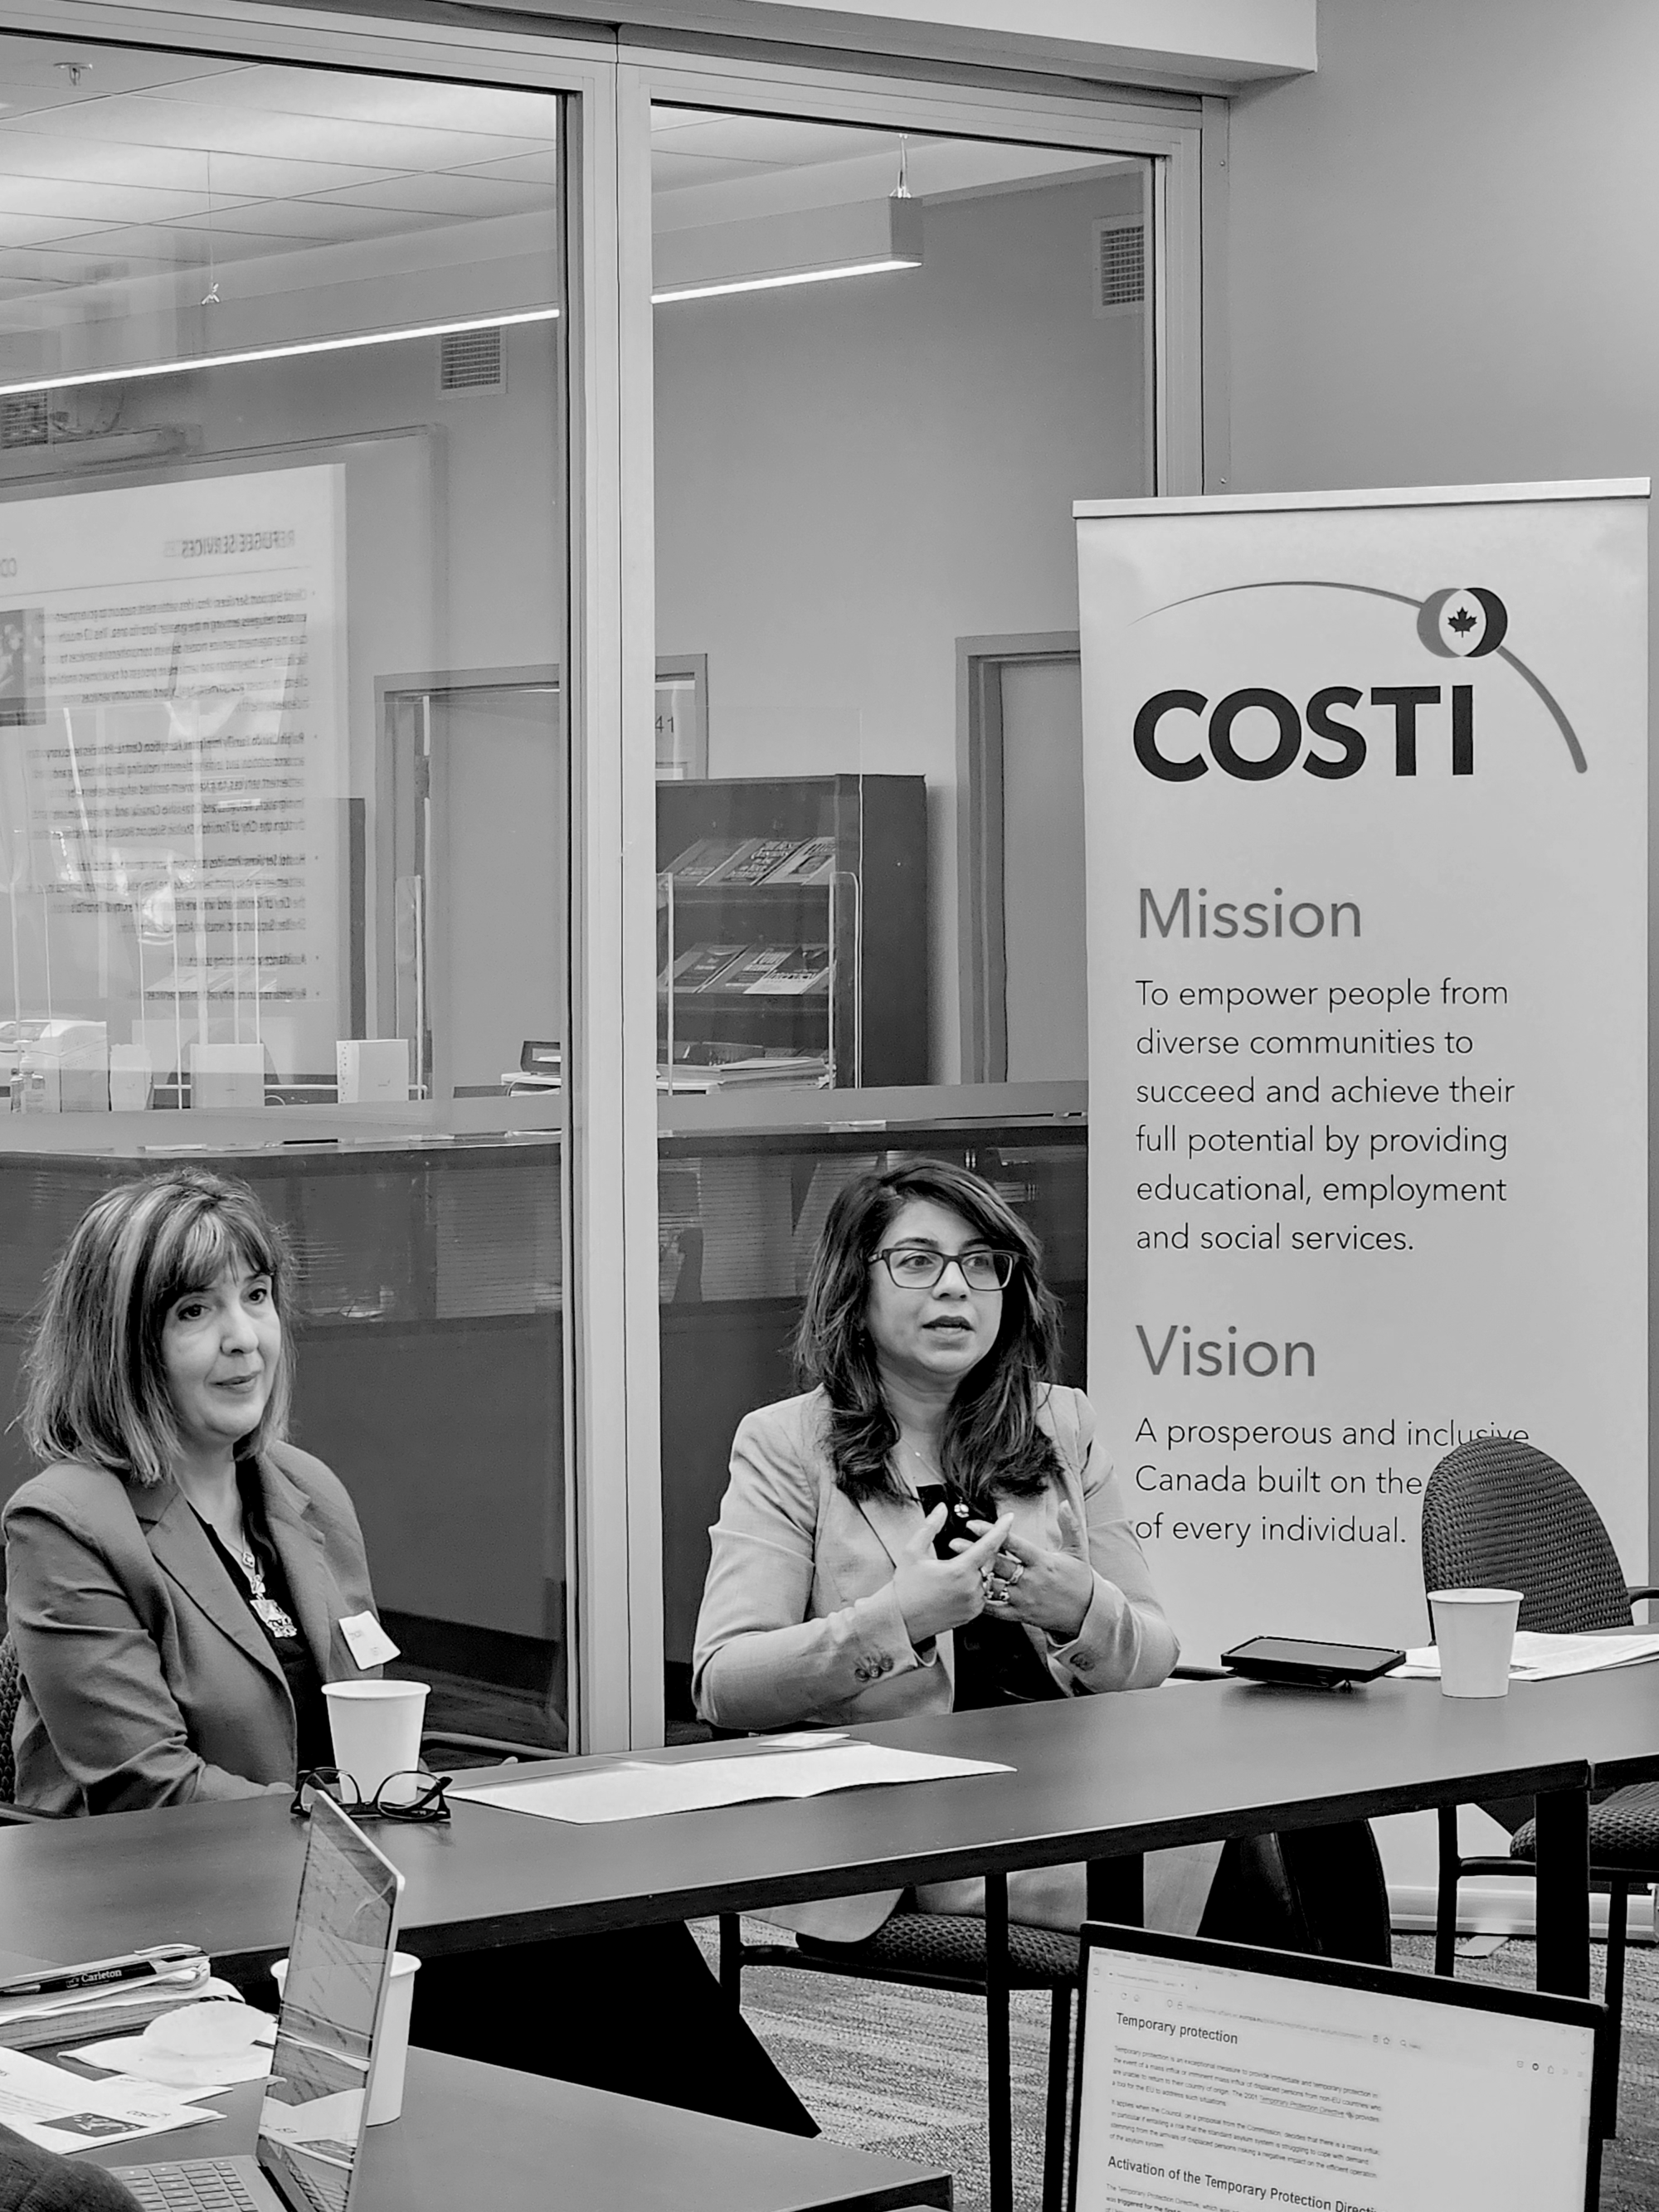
1441	249
852	476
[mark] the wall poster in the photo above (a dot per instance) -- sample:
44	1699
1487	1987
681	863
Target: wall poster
1367	819
173	763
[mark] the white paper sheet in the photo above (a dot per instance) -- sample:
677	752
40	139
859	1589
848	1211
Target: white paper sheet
55	2110
1539	1658
636	1790
132	2055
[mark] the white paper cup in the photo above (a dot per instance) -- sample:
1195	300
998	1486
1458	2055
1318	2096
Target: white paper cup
1475	1634
386	2080
376	1728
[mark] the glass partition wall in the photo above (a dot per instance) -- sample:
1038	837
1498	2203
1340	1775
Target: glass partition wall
284	827
887	361
538	725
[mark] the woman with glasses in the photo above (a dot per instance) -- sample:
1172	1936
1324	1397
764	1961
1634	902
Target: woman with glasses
181	1581
929	1528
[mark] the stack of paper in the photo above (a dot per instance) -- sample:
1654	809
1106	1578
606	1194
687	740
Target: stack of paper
1539	1658
633	1789
103	2009
48	2106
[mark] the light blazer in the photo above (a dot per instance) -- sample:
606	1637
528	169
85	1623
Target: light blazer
148	1682
798	1623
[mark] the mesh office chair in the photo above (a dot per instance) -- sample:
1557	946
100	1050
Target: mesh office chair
1498	1513
946	1951
11	1696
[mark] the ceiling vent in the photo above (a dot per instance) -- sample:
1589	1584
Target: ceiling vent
471	363
24	420
1120	265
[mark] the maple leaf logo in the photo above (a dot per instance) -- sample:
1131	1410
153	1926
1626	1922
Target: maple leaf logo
1462	621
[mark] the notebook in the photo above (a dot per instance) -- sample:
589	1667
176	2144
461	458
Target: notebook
316	2103
1217	2073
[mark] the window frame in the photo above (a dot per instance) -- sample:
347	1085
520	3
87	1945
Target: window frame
609	1162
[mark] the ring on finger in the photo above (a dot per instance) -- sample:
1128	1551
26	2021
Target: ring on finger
1014	1574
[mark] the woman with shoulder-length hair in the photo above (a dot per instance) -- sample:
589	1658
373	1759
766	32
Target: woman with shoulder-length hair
929	1528
181	1584
179	1578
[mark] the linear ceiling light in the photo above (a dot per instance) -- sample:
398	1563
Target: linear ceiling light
773	283
810	245
276	352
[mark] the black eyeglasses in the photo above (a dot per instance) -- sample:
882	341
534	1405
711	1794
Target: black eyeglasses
919	1266
409	1796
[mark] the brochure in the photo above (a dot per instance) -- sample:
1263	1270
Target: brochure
699	861
814	862
753	862
758	961
806	969
696	969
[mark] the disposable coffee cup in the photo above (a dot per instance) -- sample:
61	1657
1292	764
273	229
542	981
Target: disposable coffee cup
376	1729
1475	1634
386	2080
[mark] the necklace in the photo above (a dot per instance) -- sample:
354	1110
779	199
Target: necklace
265	1606
929	1473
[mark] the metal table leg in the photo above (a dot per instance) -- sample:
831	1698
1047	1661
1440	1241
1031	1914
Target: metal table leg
1563	1892
999	2065
1117	1890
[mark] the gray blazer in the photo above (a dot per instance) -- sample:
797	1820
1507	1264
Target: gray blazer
149	1681
798	1623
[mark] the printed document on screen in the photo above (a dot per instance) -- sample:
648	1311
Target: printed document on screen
1207	2087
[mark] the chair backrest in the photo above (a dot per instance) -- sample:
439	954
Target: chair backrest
1500	1513
11	1696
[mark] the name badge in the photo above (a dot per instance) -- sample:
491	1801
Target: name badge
368	1642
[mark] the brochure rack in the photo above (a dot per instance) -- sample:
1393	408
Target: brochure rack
792	933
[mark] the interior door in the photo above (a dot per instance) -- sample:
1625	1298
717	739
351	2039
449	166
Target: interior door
1044	890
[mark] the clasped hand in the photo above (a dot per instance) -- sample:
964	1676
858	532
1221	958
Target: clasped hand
934	1593
1027	1582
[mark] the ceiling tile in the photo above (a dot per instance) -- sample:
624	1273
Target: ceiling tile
674	171
27	153
523	168
222	127
453	196
324	223
19	230
38	68
778	139
406	102
96	203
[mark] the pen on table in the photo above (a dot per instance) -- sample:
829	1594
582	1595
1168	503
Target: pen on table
129	1966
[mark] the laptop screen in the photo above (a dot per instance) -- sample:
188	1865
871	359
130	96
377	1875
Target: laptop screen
311	2121
1212	2073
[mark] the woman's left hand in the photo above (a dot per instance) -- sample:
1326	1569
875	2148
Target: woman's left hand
1045	1590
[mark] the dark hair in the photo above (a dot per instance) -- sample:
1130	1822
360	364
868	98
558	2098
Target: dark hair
991	1436
97	1386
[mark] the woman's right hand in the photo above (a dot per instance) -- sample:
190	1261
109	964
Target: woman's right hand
934	1593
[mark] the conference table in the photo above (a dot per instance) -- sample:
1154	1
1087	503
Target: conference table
1102	1779
481	2135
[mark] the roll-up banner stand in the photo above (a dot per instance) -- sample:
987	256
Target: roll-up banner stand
1365	778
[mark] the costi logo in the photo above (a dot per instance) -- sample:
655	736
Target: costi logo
1462	625
1257	732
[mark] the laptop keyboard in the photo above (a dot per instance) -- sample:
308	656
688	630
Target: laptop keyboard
193	2185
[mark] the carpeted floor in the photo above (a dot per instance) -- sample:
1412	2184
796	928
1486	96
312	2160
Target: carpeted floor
900	2071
